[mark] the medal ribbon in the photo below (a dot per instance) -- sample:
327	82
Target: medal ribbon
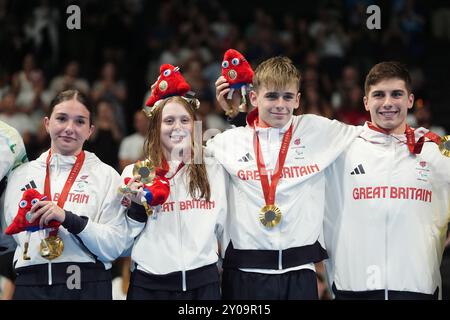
69	182
269	190
166	167
414	148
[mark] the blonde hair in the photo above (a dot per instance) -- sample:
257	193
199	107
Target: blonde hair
276	73
197	177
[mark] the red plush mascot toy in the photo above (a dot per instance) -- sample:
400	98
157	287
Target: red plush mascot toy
238	72
169	83
22	219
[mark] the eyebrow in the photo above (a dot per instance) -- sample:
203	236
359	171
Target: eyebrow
280	93
65	114
393	91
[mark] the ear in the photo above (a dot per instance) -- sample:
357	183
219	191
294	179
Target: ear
46	123
297	100
253	98
365	100
91	131
410	100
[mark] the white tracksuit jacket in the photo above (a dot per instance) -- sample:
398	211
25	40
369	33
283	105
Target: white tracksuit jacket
386	215
316	142
12	151
94	195
181	234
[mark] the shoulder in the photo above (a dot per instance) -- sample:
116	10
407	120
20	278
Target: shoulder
233	132
311	119
223	140
7	130
28	168
98	166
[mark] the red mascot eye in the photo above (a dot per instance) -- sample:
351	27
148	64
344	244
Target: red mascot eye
235	61
166	73
34	201
23	203
225	64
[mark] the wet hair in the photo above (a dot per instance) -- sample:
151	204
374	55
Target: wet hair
70	95
276	73
387	70
197	177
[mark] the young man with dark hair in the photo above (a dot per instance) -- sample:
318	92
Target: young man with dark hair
387	200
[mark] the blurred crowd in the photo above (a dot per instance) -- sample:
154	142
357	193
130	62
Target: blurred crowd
116	55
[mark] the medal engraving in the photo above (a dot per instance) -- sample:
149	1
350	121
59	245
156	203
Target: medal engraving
270	216
51	247
232	74
146	170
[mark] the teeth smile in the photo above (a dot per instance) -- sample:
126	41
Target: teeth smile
388	112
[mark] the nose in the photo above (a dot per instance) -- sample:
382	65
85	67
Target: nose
69	127
177	125
387	103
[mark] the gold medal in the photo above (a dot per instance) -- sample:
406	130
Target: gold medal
232	74
51	247
163	85
270	216
146	170
444	146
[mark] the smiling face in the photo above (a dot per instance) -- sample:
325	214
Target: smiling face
275	106
388	102
176	128
69	127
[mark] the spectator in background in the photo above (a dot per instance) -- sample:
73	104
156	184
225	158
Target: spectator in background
4	82
313	103
108	87
70	80
35	102
422	117
16	119
21	80
351	111
132	147
106	138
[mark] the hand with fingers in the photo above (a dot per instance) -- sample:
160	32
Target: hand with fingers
134	190
31	206
46	211
233	106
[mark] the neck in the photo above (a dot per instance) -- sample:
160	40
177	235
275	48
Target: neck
176	155
263	124
397	130
56	151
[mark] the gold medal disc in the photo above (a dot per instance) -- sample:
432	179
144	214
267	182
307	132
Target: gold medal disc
163	85
146	170
232	74
270	216
444	146
51	247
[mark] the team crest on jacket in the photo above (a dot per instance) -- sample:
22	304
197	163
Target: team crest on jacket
298	149
81	184
423	171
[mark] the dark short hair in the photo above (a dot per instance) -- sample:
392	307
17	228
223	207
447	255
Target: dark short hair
387	70
69	95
